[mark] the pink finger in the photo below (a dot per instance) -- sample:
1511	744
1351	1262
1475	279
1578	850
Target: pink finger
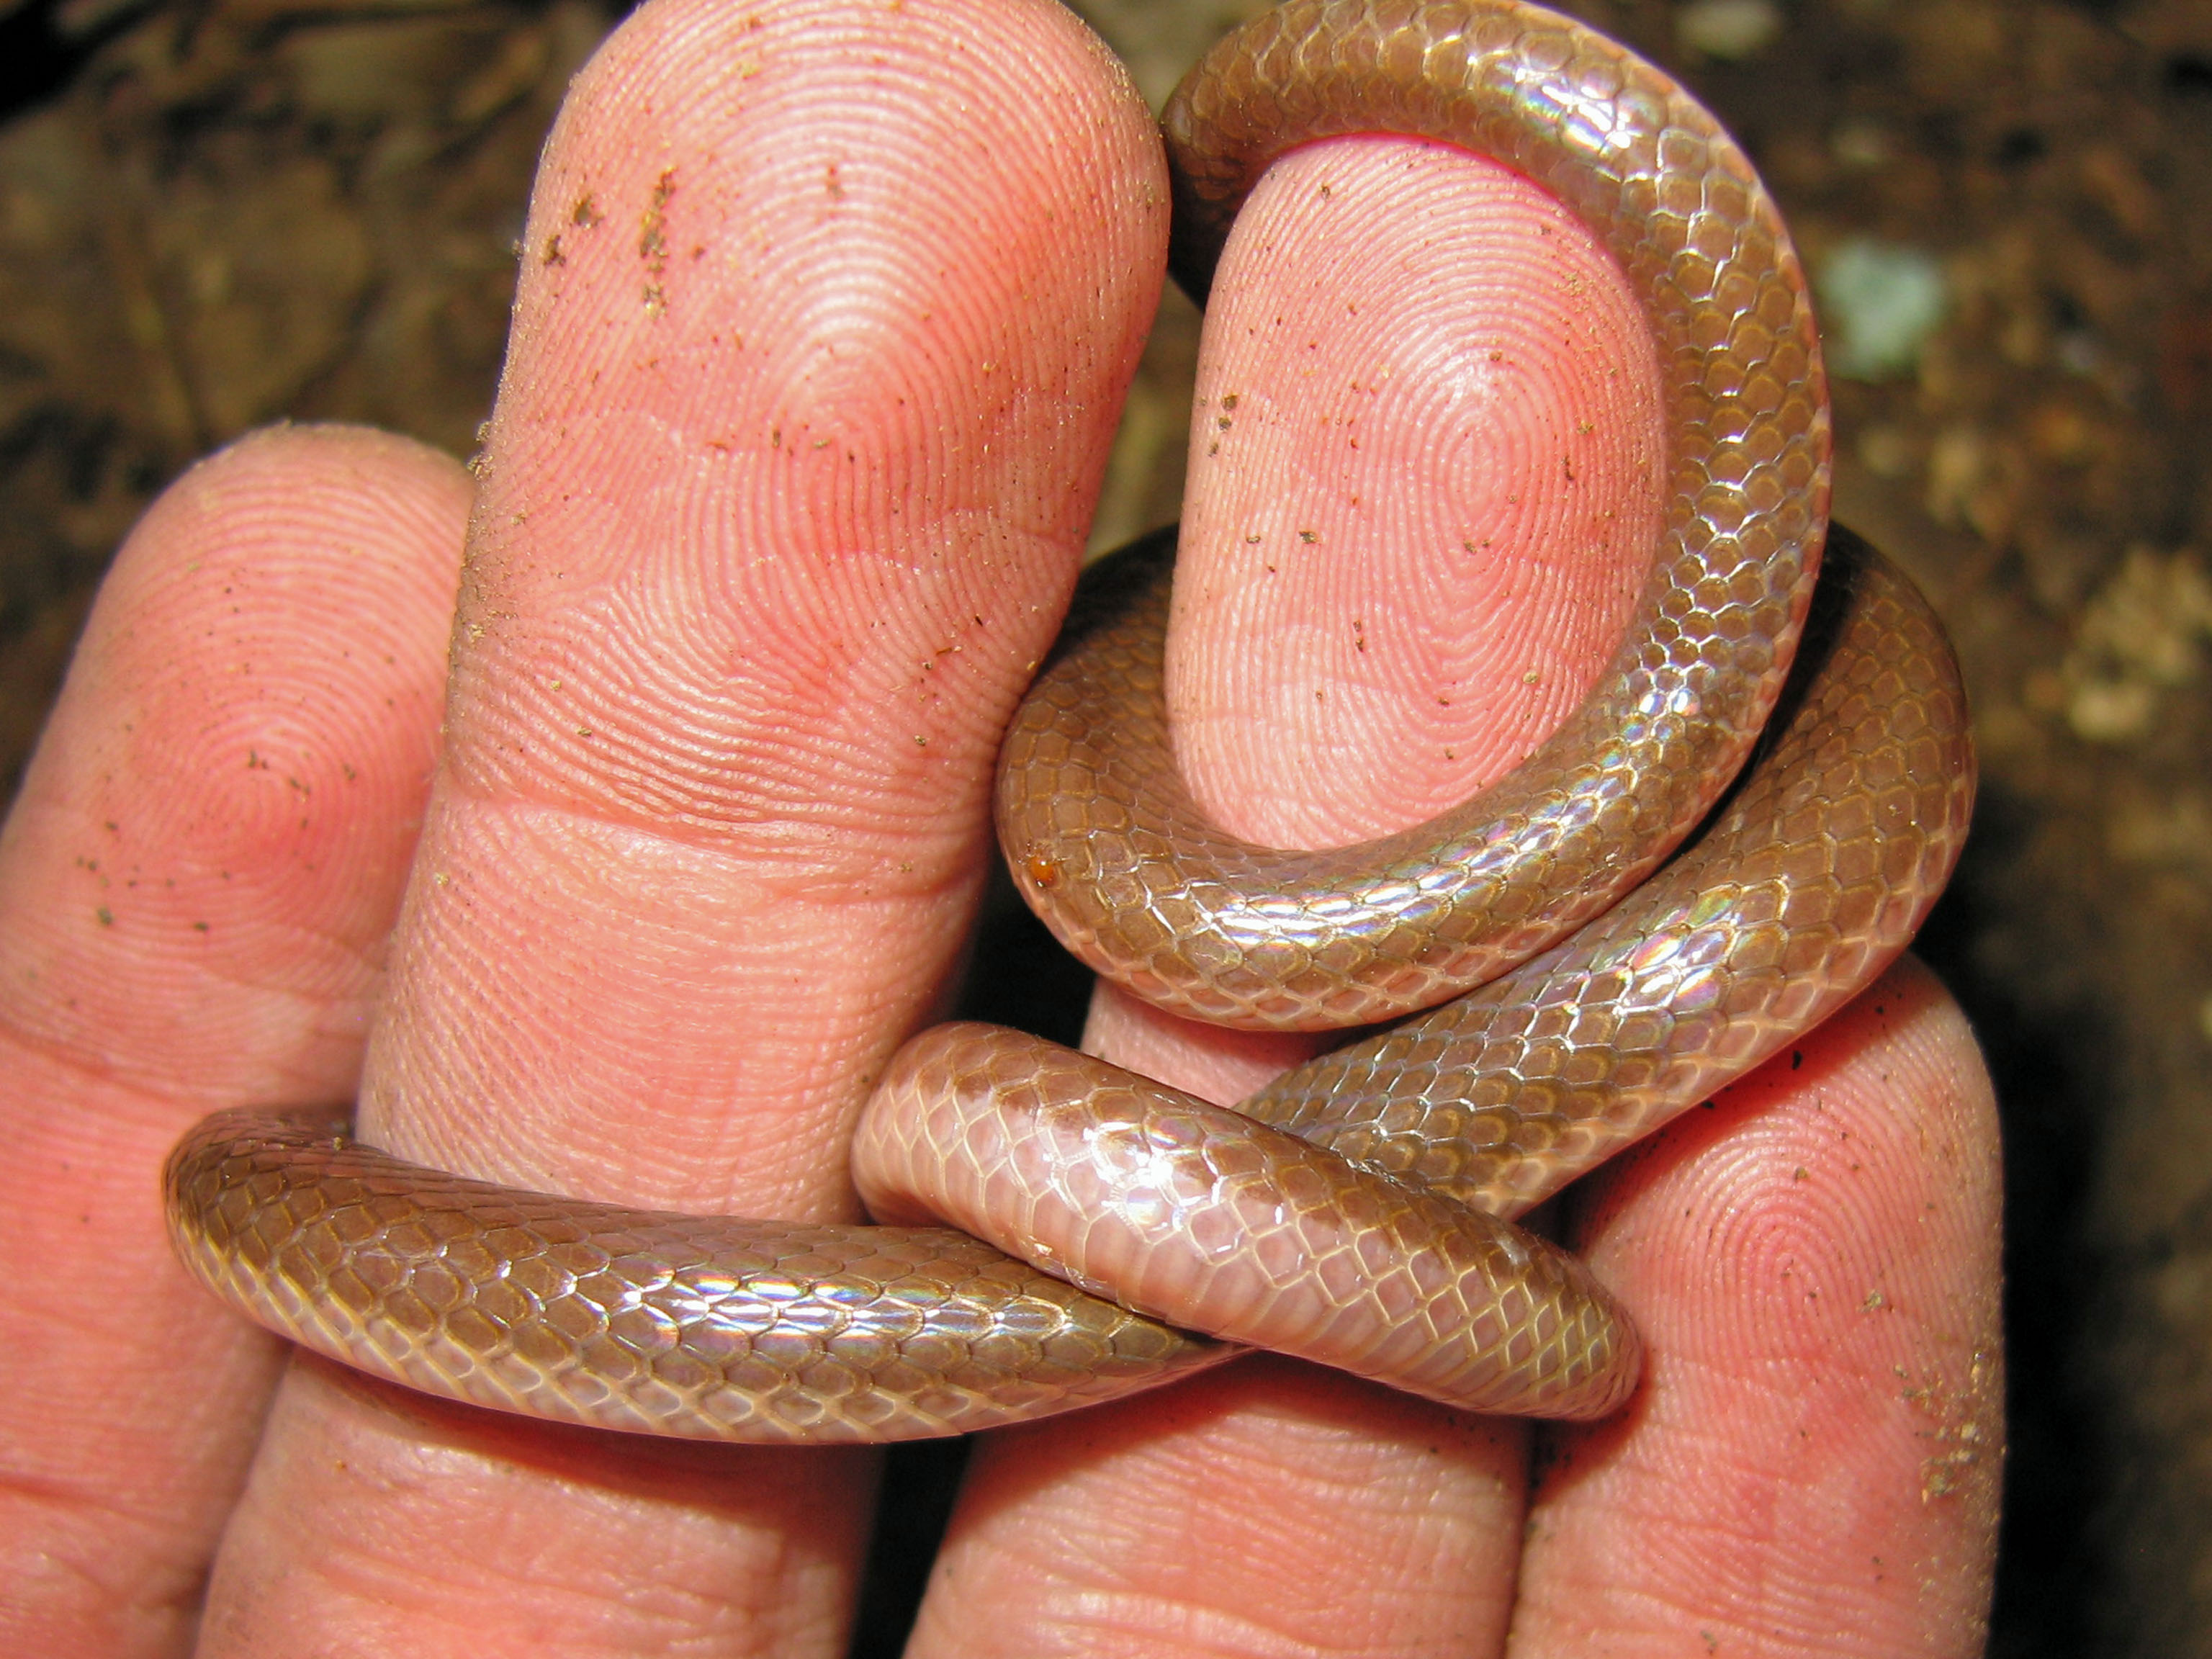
826	312
1424	495
1812	1465
195	888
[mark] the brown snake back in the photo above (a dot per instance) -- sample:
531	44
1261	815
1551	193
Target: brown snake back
1100	832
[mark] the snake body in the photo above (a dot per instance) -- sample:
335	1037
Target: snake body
1357	1210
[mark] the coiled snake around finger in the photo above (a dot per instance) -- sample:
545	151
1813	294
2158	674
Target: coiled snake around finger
1358	1209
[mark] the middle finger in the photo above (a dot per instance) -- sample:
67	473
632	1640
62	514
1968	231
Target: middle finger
825	315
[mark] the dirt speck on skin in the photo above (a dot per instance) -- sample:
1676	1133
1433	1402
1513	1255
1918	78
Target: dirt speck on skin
1964	1427
238	212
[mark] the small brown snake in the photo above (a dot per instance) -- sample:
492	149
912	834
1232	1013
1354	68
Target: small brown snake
1357	1211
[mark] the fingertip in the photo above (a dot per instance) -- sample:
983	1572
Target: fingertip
226	793
1813	1262
1425	473
1875	1130
840	268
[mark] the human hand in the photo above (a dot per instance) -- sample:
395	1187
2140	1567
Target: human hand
826	311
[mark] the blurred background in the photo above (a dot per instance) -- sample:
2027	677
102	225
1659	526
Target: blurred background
222	213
